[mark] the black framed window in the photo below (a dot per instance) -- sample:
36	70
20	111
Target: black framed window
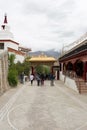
1	45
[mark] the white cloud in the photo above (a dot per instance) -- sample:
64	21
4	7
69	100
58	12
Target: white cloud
45	24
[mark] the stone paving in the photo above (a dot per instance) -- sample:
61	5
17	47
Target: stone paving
43	108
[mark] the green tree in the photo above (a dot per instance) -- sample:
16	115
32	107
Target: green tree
26	65
13	77
16	69
39	69
46	69
23	67
43	69
11	59
12	73
19	67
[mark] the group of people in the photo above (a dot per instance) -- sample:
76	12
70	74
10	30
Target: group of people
40	79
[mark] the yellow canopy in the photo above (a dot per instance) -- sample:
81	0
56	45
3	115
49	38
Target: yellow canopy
42	58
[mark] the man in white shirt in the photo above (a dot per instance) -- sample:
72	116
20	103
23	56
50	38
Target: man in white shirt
31	78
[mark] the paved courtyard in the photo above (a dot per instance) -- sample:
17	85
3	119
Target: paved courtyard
43	108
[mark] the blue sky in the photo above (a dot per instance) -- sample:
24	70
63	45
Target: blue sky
45	24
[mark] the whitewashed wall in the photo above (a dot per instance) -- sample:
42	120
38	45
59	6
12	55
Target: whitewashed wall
61	76
68	82
19	58
11	45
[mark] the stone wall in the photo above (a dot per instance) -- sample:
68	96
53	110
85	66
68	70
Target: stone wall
3	72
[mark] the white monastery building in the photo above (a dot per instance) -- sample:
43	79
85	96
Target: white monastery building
8	44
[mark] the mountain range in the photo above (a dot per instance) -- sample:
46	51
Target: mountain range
51	52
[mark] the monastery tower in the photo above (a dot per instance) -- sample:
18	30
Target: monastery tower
7	42
5	30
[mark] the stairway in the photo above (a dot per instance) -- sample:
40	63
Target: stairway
81	85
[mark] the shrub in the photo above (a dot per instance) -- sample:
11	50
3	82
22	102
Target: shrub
13	77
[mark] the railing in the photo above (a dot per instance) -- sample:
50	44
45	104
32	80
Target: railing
70	74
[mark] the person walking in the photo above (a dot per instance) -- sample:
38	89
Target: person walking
42	79
31	78
52	77
38	79
22	77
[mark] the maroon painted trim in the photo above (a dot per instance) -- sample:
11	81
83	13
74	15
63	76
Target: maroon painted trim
9	41
84	53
